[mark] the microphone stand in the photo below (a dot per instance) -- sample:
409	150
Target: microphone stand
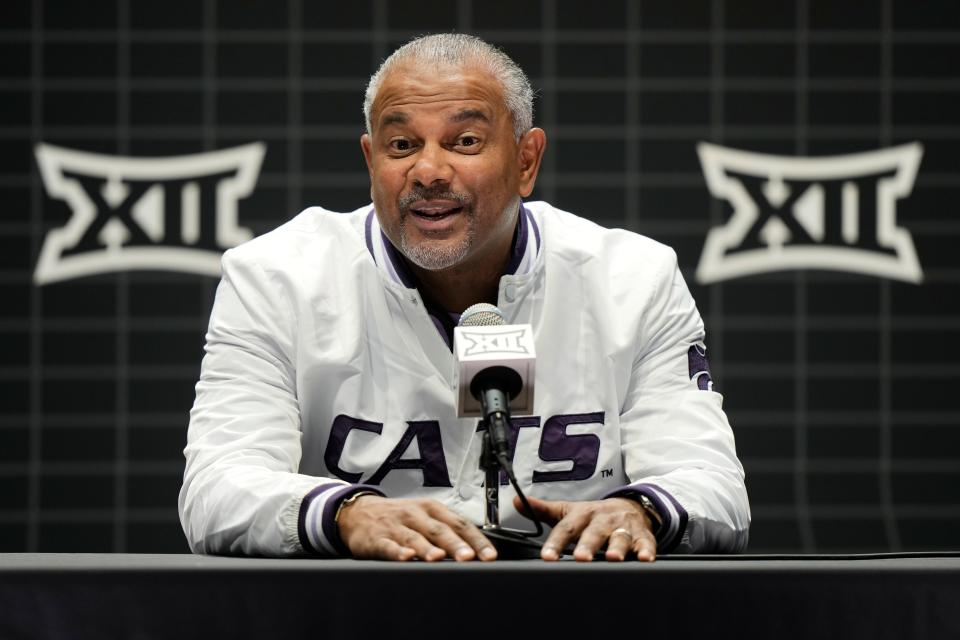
510	545
491	482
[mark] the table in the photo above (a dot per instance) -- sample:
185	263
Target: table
145	596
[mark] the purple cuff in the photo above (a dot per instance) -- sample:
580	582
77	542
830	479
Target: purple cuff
334	494
673	517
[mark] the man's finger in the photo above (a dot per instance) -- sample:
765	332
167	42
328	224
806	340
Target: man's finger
645	546
470	541
565	532
425	549
619	544
441	535
387	549
595	535
550	512
453	534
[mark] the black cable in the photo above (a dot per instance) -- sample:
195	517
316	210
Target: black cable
508	469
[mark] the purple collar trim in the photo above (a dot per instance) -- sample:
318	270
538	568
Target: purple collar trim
442	319
399	264
536	229
369	234
519	244
517	249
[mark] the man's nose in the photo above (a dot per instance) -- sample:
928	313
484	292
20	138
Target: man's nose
432	166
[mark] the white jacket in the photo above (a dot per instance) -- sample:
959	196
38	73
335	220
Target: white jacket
323	370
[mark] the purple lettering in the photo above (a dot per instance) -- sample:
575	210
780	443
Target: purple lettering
339	430
513	434
431	461
557	445
699	367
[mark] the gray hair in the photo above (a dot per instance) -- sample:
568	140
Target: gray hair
458	50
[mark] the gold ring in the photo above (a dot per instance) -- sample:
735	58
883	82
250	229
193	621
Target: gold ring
622	532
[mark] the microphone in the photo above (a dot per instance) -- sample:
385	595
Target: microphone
495	370
492	354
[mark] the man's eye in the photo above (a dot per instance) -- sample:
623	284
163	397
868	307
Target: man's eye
468	141
400	145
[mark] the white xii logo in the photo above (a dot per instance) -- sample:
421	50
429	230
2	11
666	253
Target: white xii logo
836	212
494	342
172	214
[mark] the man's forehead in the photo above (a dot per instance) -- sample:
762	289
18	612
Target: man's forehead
398	116
461	93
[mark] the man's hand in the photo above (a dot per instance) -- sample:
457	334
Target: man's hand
619	523
399	529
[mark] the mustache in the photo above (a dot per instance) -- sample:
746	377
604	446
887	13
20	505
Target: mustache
422	193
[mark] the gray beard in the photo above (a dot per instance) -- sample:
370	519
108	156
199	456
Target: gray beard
435	257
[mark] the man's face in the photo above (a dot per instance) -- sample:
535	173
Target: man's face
446	173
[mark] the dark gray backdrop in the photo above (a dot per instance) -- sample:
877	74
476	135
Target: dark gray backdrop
841	388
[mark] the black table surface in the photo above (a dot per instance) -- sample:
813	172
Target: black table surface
135	595
829	563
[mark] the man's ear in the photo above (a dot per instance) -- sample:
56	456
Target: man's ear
530	153
365	144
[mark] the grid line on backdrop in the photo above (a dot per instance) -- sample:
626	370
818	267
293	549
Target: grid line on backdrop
919	36
35	436
548	103
121	345
886	433
716	320
808	541
838	386
209	92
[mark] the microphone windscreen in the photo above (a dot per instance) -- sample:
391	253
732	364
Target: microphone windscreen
481	314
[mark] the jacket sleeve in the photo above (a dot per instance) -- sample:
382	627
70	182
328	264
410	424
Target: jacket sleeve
677	444
242	493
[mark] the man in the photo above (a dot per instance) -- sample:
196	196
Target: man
324	420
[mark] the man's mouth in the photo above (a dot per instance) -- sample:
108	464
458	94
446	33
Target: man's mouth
435	209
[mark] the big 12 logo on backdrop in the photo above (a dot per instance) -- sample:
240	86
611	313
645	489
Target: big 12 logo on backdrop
831	212
176	213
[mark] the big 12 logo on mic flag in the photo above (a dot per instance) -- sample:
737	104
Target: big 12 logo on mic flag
176	213
479	347
831	212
